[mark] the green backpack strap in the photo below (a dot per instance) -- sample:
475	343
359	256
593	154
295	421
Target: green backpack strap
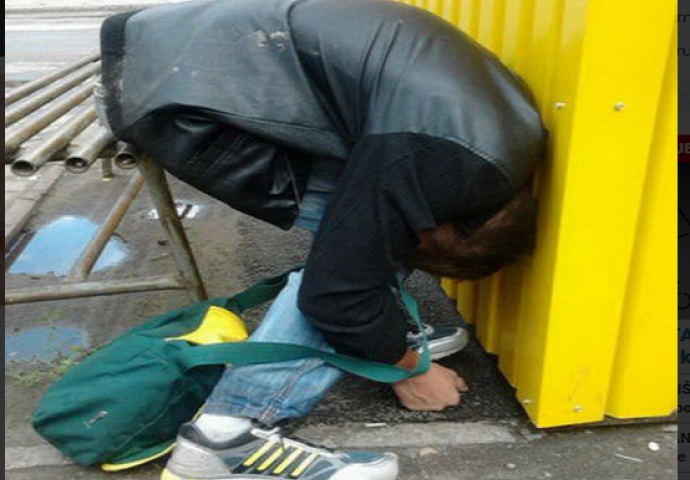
412	307
259	293
246	353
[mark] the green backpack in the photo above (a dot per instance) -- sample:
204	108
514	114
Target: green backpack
123	405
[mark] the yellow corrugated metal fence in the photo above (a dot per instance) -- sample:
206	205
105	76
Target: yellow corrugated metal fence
587	327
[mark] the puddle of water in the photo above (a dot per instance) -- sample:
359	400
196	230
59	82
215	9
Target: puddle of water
45	344
56	247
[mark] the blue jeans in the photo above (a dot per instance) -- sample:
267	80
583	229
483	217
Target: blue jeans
273	392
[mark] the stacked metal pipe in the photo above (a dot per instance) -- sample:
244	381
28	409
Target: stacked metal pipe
55	118
55	115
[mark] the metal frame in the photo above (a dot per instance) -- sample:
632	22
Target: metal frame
43	102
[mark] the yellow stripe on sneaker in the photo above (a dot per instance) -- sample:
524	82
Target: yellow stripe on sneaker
305	464
259	453
288	461
270	460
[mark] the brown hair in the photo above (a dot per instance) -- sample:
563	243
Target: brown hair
452	251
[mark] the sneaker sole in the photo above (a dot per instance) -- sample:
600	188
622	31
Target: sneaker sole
385	470
168	475
447	346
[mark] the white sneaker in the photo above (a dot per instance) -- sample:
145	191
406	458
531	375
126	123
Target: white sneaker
443	341
266	455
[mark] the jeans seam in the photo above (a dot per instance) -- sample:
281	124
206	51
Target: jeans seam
238	409
275	404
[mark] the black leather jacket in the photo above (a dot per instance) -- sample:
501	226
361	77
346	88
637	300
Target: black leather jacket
238	97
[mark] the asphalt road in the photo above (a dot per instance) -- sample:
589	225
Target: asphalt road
38	43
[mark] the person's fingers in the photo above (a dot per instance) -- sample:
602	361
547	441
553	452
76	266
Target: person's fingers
425	407
437	407
461	385
454	398
457	381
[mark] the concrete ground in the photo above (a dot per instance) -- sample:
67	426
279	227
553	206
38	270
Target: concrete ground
23	196
488	437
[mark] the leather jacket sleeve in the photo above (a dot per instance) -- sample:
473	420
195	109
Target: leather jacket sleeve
254	176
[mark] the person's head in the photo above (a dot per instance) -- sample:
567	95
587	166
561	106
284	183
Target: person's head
453	251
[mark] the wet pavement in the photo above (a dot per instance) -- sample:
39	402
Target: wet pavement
55	248
45	344
22	197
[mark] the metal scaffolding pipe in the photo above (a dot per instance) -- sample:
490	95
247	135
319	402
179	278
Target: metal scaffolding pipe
95	248
23	109
82	160
22	132
92	289
127	156
162	199
31	87
107	169
31	161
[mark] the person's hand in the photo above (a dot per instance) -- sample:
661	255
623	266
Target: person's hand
433	391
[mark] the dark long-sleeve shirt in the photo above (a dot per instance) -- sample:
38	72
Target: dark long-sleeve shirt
393	188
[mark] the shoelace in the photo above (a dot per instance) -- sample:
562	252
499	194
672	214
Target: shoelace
416	334
282	440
